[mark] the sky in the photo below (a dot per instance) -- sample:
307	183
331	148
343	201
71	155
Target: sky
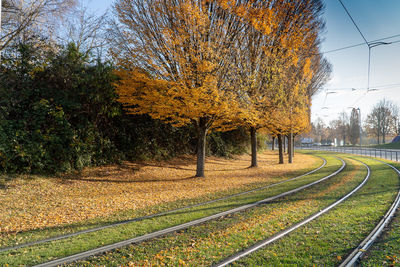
376	19
348	85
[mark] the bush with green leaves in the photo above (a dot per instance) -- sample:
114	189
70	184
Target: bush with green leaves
59	112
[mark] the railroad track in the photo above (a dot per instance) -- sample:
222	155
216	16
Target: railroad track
103	249
290	229
355	256
60	237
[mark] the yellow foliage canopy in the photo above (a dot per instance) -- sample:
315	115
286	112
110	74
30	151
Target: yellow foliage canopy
179	75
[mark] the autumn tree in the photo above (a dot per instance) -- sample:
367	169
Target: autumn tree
341	125
274	74
85	29
22	20
174	61
255	68
381	121
300	62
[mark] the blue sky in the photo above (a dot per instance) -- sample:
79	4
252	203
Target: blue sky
376	19
98	6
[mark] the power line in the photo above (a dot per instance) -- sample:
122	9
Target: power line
360	44
343	48
381	87
370	45
362	35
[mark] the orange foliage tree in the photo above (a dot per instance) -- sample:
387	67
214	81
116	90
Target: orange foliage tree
217	64
174	61
300	62
276	66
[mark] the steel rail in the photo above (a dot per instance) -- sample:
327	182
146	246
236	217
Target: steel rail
103	249
156	214
355	256
283	233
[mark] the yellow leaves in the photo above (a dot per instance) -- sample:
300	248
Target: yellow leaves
29	204
187	84
192	50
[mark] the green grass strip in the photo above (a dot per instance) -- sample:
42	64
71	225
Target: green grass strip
330	238
213	241
48	251
386	251
40	234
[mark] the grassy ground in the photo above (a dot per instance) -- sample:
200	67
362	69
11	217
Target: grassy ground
329	239
44	252
29	203
386	251
388	146
29	207
210	242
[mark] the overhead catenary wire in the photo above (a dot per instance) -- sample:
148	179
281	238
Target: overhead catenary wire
355	24
361	44
369	45
380	87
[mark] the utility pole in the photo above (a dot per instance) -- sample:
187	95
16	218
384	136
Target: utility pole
370	46
359	117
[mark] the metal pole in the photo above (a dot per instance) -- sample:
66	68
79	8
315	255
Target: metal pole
369	64
359	114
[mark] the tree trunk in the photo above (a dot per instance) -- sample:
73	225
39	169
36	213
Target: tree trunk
284	143
201	147
280	146
379	137
379	131
273	142
253	134
290	148
293	137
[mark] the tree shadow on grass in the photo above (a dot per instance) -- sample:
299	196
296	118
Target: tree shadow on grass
113	173
133	180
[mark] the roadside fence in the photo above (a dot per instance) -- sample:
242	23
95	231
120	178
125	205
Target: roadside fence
389	154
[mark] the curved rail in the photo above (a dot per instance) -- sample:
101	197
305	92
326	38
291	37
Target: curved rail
83	255
156	214
283	233
357	253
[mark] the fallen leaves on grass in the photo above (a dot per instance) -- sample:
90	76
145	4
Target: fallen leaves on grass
249	230
29	204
